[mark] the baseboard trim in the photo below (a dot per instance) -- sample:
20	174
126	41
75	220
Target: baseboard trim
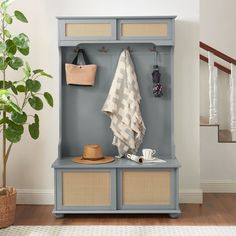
46	196
191	196
224	186
35	196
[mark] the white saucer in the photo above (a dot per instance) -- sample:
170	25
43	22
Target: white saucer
152	159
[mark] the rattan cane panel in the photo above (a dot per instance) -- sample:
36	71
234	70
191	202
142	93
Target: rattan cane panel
87	188
88	29
144	30
146	187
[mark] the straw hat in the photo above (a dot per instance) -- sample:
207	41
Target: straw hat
92	154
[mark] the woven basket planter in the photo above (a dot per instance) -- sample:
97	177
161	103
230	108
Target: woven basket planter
7	208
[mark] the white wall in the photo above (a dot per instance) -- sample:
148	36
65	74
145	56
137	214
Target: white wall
29	165
217	24
218	161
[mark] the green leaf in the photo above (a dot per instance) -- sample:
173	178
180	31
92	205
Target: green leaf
3	64
33	85
27	74
7	33
36	103
7	84
18	128
21	41
48	98
5	99
27	70
2	47
21	88
4	121
15	63
45	74
8	109
14	90
7	18
13	132
36	119
34	130
24	51
27	66
37	71
18	118
4	92
11	47
11	135
5	4
20	16
15	107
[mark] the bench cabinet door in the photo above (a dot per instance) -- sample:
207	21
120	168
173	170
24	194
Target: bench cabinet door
146	189
145	29
86	189
88	29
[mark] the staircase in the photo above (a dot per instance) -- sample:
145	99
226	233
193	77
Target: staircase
224	135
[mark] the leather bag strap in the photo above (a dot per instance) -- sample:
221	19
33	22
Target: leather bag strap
84	56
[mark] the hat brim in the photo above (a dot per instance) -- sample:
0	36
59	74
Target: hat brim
80	160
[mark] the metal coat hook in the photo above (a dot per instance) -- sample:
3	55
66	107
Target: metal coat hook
76	50
153	49
156	57
129	49
103	49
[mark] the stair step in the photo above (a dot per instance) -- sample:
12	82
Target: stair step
225	135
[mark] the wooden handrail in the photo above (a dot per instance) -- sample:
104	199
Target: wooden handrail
217	53
219	66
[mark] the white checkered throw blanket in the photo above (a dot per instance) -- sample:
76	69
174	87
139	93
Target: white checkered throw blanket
123	107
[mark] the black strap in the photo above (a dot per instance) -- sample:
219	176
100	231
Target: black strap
75	61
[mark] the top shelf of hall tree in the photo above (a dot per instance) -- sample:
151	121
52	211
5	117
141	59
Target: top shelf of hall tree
156	30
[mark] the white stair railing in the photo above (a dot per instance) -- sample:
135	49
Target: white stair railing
213	90
233	102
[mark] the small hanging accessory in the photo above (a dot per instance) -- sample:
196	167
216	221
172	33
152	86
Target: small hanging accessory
80	72
157	87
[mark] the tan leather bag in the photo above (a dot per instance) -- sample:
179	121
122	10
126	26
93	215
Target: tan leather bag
78	74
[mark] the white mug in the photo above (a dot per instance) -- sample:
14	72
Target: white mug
148	153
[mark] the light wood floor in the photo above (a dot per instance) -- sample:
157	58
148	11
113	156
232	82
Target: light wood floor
217	209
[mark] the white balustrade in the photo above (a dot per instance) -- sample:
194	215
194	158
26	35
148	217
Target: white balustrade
233	102
213	90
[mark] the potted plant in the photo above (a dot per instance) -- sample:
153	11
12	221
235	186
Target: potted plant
15	96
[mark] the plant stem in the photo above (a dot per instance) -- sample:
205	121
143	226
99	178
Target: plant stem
5	158
4	153
4	173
